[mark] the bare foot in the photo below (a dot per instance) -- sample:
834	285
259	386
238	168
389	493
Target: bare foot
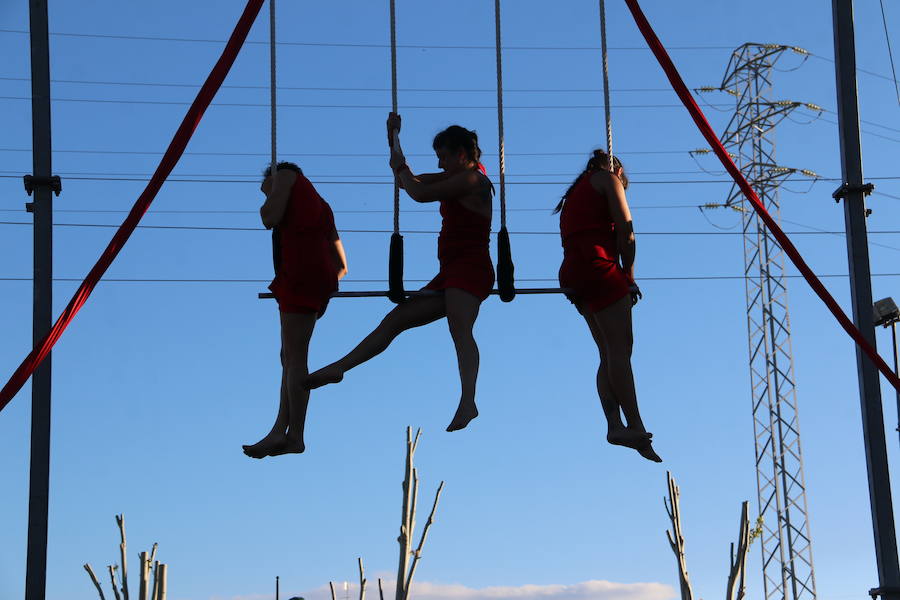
290	446
323	376
629	437
464	413
265	446
647	452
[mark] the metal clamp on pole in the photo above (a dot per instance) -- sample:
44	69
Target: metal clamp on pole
883	591
845	189
33	181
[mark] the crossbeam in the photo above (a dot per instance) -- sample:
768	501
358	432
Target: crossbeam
419	293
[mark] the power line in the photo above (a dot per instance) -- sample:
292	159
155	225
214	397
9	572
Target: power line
341	89
523	280
432	232
339	154
548	209
354	176
353	106
357	44
323	182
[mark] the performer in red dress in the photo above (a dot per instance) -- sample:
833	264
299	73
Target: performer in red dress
598	270
466	274
309	260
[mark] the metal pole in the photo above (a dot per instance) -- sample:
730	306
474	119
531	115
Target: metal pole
41	183
853	193
896	370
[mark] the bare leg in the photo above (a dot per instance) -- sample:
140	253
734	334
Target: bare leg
415	312
611	328
277	434
286	435
462	310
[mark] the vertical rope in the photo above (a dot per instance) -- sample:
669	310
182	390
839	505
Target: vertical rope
500	144
506	285
394	105
396	292
272	81
606	106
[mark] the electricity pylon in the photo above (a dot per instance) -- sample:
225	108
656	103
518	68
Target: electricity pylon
787	561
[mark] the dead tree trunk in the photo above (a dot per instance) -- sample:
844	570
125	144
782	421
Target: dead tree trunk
676	539
123	551
362	581
161	590
735	590
406	571
405	521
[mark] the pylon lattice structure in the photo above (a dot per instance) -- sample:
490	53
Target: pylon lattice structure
787	561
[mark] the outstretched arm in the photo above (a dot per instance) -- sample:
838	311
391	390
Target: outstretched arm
277	196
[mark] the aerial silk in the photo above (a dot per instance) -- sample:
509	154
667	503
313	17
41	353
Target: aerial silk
169	160
688	100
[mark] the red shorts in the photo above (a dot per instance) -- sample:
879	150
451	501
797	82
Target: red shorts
473	274
593	278
301	298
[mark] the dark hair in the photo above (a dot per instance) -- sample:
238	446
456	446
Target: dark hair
598	159
283	166
456	138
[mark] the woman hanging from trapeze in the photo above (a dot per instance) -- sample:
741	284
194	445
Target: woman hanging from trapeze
466	273
309	260
598	268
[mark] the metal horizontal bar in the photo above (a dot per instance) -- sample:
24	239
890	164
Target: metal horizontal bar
417	293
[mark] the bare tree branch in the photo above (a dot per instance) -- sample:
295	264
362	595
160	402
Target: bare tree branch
418	553
123	551
362	581
735	589
676	539
404	538
96	582
112	578
380	589
333	597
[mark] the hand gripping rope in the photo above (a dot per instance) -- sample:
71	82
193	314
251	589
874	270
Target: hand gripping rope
395	256
169	160
506	285
700	120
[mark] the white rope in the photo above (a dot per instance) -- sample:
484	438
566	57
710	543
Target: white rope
394	141
272	83
606	106
500	145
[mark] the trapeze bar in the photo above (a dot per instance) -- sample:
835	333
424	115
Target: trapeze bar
417	293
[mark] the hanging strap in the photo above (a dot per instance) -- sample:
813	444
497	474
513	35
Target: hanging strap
606	103
506	285
272	98
703	125
167	163
395	255
273	104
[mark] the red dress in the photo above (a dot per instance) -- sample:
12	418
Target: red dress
463	251
302	248
590	266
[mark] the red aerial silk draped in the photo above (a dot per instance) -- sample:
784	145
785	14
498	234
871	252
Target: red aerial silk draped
169	160
688	100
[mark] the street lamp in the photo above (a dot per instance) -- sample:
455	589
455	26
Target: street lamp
887	315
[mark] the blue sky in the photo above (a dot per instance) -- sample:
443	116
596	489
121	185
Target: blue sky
156	385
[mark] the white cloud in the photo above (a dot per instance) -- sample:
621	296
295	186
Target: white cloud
586	590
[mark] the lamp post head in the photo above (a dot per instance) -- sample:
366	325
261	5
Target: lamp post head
886	312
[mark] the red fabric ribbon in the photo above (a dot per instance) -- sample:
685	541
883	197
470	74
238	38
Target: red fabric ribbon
169	160
688	100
